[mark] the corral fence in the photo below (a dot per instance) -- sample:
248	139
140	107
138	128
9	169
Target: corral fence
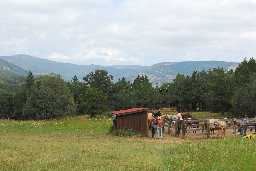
202	128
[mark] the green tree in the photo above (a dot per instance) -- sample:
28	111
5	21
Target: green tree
76	88
21	95
29	83
101	80
6	105
167	95
94	102
244	71
122	95
142	91
183	91
220	90
244	100
20	98
50	97
97	92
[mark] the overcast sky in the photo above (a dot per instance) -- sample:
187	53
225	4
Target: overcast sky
129	31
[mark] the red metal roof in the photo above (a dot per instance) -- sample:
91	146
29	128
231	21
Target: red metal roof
128	111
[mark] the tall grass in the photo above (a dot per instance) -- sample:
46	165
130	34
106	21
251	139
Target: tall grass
229	154
67	125
84	144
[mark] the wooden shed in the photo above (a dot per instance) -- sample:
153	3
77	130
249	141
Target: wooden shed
135	119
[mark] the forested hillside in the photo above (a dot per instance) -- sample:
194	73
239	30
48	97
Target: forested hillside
8	69
229	92
10	75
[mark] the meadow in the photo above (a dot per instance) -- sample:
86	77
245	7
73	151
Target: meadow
81	143
198	115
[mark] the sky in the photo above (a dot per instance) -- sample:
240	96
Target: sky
127	32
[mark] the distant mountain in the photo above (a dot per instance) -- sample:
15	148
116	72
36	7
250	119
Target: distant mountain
10	74
41	66
163	72
158	73
11	68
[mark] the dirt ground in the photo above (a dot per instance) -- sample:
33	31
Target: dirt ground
190	136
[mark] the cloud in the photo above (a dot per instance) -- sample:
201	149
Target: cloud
129	31
95	56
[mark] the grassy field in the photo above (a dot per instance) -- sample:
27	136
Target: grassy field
197	115
205	115
83	144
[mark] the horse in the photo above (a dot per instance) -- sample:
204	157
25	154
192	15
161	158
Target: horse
219	125
150	118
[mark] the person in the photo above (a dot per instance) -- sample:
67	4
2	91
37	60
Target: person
159	127
179	116
114	121
243	128
240	129
234	126
246	120
254	127
161	124
183	128
169	123
179	124
153	127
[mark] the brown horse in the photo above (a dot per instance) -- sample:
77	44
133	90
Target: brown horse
217	125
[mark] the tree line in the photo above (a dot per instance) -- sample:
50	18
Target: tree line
49	96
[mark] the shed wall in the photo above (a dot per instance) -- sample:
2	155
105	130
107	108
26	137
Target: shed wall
136	121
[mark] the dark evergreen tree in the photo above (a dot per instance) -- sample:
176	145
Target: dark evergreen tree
122	95
93	102
50	97
142	92
101	80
